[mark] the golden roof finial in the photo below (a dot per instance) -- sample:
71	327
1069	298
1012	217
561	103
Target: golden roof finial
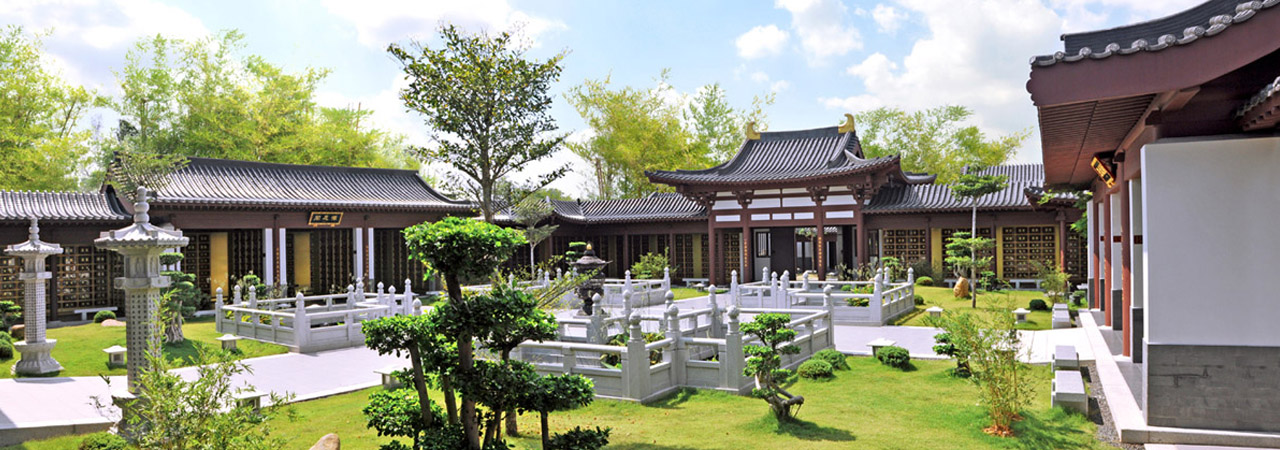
752	134
847	126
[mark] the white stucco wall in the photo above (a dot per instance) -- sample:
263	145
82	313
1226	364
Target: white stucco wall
1212	241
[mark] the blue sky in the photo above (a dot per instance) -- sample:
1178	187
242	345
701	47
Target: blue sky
823	58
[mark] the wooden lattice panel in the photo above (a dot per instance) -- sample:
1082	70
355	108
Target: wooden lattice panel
1023	246
10	286
731	253
196	259
682	256
392	264
1077	256
82	277
332	260
246	253
907	245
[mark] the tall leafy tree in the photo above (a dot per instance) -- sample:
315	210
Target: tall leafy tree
973	187
488	107
41	144
717	126
529	213
934	140
205	98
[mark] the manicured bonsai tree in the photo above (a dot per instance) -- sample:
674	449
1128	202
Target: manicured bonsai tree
514	318
764	362
559	393
183	298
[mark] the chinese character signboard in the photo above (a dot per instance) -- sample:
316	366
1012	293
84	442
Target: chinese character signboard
331	219
1104	172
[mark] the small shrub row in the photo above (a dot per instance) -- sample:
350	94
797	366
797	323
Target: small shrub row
580	439
924	281
103	316
833	357
816	369
894	356
103	441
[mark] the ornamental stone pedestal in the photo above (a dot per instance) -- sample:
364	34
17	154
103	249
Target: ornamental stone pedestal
141	245
35	349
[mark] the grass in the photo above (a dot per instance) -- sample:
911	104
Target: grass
870	406
79	347
682	293
988	303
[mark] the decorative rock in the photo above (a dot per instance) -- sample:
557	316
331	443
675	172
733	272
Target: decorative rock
328	442
19	332
962	288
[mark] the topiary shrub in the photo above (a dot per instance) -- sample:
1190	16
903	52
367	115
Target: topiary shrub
6	349
919	300
924	281
1038	305
4	336
833	357
855	301
103	316
815	369
894	356
103	441
580	439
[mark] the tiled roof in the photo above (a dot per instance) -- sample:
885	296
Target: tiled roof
658	206
938	198
1204	20
61	207
244	183
1261	110
783	156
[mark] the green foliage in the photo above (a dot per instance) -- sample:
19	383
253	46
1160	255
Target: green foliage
6	349
10	314
103	316
857	301
833	357
5	336
205	98
461	248
945	345
919	300
529	213
764	361
579	439
894	356
974	186
182	299
1053	280
397	413
933	140
892	268
924	281
620	340
988	280
815	369
561	393
960	251
650	266
103	441
513	317
989	347
922	268
1038	305
488	106
42	141
575	251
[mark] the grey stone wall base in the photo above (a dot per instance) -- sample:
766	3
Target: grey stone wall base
1136	321
1117	310
1093	304
1215	387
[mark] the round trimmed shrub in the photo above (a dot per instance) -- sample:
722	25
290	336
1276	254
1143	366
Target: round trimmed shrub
924	281
103	441
919	300
833	357
894	356
816	369
1038	305
6	349
4	336
103	316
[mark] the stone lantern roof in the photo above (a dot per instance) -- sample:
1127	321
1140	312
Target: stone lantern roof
142	233
33	246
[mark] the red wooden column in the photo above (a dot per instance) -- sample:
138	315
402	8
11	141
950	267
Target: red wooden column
747	256
820	252
1125	261
1106	259
1062	242
861	224
714	248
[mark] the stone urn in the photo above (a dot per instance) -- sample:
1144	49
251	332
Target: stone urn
589	263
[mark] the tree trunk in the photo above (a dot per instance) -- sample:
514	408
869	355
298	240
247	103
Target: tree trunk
470	425
533	265
512	426
450	399
546	438
173	330
973	256
420	384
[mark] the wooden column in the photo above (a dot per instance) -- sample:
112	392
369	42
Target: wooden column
861	232
748	255
1062	242
1106	260
714	248
1125	261
626	251
820	247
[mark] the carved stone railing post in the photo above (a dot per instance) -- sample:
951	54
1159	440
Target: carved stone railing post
301	324
715	321
830	307
679	354
732	358
636	361
666	278
596	333
734	298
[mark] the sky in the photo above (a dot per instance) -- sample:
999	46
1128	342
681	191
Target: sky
821	58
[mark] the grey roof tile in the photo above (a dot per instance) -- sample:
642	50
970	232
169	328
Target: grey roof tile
938	198
1182	28
208	181
61	206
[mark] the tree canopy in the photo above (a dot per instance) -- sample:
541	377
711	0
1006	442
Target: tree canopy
41	144
488	107
638	129
934	140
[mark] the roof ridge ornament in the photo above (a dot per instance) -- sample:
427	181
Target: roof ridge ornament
848	125
752	134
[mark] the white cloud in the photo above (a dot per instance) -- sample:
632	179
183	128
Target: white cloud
1088	15
823	28
759	77
381	22
774	86
761	41
975	55
887	18
88	38
779	86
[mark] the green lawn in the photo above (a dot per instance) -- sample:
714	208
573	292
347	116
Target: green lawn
988	303
79	348
685	292
872	406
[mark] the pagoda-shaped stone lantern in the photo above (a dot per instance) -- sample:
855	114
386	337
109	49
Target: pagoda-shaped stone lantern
591	286
35	349
141	245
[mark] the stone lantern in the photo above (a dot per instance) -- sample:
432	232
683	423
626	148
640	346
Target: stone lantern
594	285
141	245
35	349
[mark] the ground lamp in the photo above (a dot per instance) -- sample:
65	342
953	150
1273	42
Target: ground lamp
589	263
35	349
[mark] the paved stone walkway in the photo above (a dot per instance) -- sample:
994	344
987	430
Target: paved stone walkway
37	402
